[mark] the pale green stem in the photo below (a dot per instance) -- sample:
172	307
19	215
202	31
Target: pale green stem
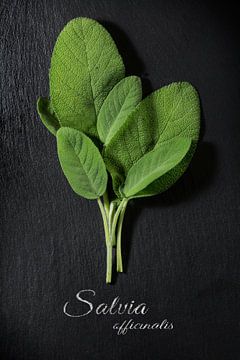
106	202
110	220
105	221
111	214
114	222
109	264
108	242
119	238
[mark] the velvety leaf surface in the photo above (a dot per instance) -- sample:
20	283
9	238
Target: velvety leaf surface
120	102
154	164
167	113
47	115
85	66
81	163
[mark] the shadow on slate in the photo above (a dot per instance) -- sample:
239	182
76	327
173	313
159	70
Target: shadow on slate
131	59
201	170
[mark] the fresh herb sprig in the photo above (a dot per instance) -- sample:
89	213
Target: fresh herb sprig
103	127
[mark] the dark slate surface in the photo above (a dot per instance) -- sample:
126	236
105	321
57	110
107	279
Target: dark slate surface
181	249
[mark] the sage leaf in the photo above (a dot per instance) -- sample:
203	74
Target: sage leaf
81	163
120	102
167	180
47	115
155	164
85	66
172	111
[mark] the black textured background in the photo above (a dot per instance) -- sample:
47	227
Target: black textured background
181	249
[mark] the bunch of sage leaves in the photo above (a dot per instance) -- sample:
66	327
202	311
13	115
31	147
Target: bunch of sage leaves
103	126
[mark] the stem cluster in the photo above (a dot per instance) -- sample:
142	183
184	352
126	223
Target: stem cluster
113	215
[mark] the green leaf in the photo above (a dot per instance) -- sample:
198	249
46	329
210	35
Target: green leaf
168	179
85	66
170	112
155	164
120	102
81	163
47	115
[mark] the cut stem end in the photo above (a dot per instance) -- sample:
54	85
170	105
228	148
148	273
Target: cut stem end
109	264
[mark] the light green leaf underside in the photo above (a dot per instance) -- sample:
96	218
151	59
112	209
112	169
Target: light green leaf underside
120	102
47	115
154	164
85	66
167	113
81	163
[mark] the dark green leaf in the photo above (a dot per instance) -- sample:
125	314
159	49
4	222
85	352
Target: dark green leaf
155	164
